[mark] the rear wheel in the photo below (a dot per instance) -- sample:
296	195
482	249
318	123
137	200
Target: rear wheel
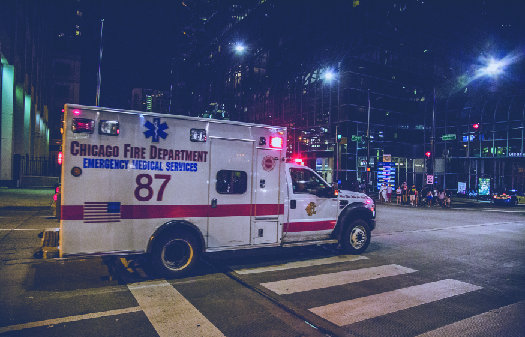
356	237
175	254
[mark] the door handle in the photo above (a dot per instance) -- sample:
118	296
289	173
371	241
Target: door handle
213	203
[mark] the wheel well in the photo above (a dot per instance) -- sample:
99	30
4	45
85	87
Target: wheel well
171	227
346	218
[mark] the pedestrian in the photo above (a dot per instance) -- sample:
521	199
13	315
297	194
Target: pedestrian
382	192
412	194
398	194
429	197
441	198
389	193
447	198
405	191
417	198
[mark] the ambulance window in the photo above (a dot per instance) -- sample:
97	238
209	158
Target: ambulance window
231	182
306	181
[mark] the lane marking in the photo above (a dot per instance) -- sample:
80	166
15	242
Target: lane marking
302	264
55	321
322	281
452	227
504	321
360	309
169	312
20	229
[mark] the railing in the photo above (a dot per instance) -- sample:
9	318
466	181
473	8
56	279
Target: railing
39	166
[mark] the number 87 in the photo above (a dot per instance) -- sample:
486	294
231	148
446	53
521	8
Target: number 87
147	186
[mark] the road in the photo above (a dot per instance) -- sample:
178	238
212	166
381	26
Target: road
428	271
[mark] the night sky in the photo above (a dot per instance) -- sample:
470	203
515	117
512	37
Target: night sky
140	39
138	45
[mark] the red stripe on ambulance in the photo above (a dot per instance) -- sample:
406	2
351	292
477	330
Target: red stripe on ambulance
293	227
76	212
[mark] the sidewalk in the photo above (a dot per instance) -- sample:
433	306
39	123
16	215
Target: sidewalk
456	202
20	198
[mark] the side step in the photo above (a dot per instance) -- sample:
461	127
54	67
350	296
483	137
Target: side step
309	243
50	242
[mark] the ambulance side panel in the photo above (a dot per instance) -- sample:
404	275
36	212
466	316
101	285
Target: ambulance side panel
127	192
151	174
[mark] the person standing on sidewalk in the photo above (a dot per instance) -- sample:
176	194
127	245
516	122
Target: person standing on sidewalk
412	194
398	194
405	191
389	193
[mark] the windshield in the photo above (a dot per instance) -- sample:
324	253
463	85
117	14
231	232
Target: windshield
306	181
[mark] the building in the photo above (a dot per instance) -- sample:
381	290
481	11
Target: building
39	72
397	72
150	100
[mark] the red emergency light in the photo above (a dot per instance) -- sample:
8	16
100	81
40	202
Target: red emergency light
276	142
475	126
60	158
428	154
83	125
298	161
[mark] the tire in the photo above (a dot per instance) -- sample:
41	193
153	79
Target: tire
356	237
175	254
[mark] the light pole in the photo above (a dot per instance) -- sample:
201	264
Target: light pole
329	76
368	145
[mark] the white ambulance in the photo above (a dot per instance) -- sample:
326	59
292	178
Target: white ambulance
175	187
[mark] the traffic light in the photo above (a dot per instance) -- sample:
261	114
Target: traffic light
477	129
428	162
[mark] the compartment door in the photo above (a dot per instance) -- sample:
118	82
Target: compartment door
230	197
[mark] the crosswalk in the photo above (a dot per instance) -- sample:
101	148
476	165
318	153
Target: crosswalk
346	312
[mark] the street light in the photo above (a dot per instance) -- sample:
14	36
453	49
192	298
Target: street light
239	48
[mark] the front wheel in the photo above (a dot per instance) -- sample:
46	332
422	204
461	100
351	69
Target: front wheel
175	254
356	237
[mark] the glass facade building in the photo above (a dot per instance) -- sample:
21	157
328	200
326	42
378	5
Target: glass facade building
333	73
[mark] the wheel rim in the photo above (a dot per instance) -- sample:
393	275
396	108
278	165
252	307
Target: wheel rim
177	254
358	237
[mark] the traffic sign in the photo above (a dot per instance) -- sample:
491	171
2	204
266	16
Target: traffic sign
451	136
430	179
356	138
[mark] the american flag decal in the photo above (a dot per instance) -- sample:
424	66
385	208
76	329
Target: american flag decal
96	212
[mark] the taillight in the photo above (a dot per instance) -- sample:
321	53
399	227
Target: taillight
298	161
55	197
83	125
57	189
276	142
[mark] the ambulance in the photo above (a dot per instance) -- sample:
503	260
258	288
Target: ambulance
174	187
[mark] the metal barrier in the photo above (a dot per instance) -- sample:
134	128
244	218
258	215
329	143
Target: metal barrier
39	166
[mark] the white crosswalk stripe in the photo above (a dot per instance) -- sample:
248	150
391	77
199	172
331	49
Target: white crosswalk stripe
334	279
357	310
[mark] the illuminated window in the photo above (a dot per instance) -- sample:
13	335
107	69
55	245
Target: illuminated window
79	13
